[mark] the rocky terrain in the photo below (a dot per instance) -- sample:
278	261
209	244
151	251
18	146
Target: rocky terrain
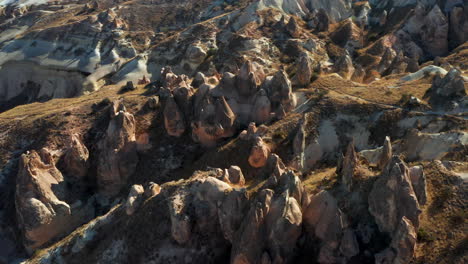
249	131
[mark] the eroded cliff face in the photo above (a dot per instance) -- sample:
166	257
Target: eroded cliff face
25	82
233	131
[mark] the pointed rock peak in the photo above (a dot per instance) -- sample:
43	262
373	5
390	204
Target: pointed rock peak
246	69
304	70
392	197
349	165
386	153
224	114
75	159
173	118
293	28
116	107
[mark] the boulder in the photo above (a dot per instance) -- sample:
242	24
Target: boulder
174	121
129	86
40	212
392	197
118	156
236	176
195	54
284	226
134	199
259	153
272	224
152	189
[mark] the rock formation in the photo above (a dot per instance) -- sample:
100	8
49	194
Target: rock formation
348	166
259	153
330	225
389	203
418	181
75	158
344	67
134	199
446	89
173	118
386	155
43	214
304	71
118	152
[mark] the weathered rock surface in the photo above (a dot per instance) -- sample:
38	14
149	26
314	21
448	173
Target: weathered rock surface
330	225
134	199
392	197
418	180
348	166
174	121
446	89
75	158
304	71
118	152
43	214
259	153
386	155
402	247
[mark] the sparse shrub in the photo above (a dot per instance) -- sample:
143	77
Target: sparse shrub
212	52
446	194
425	236
322	93
459	218
404	98
280	135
